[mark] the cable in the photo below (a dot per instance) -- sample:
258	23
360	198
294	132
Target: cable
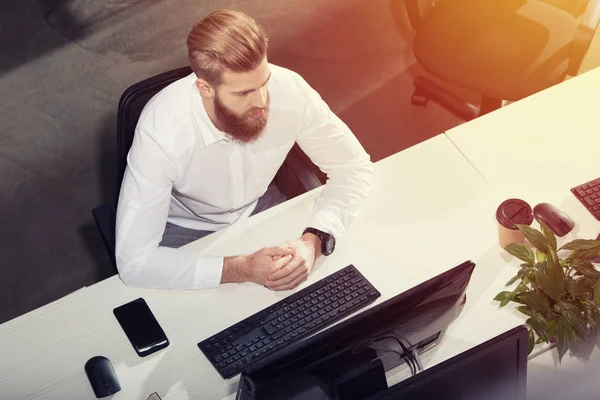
408	361
412	348
414	351
408	355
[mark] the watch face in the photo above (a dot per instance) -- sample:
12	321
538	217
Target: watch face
329	245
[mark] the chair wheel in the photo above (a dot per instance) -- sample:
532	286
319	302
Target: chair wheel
419	100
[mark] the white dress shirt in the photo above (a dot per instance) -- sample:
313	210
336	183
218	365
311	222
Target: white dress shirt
183	170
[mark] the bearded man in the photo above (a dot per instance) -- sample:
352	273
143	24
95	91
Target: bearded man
205	151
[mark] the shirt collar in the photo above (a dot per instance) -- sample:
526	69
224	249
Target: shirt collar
210	134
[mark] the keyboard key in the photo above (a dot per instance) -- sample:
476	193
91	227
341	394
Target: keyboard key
270	329
277	335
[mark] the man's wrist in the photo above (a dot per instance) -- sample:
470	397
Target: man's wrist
235	270
315	241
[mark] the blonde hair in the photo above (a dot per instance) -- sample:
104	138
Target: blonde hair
225	40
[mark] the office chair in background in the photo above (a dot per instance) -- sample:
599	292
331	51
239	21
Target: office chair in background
501	50
295	176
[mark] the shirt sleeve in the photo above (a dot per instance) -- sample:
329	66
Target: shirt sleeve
142	213
330	144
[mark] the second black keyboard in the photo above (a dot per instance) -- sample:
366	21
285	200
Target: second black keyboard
289	320
589	195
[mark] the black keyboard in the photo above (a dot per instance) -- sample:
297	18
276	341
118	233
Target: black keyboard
289	320
589	195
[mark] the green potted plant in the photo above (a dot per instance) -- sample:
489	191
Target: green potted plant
558	289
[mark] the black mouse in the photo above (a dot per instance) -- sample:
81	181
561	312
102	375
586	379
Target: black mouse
559	222
101	374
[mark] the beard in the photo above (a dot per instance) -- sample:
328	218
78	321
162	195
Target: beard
241	127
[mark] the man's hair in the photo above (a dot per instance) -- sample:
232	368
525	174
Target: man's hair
225	41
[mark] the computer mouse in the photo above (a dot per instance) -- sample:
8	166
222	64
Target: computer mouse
559	222
101	374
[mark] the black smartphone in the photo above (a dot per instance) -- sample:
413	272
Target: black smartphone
141	327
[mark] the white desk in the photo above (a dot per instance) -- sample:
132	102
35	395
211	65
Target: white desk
428	211
537	149
540	147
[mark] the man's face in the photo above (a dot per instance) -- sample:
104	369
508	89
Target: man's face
242	103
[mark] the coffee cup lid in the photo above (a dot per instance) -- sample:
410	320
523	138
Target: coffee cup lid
514	211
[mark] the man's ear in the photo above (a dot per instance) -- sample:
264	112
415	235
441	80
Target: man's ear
206	90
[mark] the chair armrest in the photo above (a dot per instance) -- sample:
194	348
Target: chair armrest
583	35
297	174
105	218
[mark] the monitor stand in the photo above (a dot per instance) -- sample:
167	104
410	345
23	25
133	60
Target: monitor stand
348	376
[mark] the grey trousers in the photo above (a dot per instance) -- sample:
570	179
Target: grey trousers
177	236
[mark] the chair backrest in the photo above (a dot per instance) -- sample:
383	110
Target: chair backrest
417	10
131	105
588	25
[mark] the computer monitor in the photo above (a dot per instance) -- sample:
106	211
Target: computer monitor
494	370
349	360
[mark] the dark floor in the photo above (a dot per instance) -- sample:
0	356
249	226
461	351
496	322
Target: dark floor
64	64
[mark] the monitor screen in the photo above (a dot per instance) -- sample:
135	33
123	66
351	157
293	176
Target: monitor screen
494	370
365	345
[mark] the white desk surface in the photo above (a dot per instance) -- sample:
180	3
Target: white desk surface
548	142
428	211
537	149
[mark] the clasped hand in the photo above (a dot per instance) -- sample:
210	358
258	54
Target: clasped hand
283	267
297	268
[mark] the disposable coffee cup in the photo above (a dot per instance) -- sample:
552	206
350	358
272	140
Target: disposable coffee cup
510	213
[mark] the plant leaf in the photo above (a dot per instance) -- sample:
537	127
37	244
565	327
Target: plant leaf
585	254
504	297
541	257
525	271
563	337
551	327
534	300
549	235
540	326
596	323
597	294
550	285
512	280
530	341
525	310
575	318
539	340
585	268
521	251
580	244
520	289
578	287
555	272
535	237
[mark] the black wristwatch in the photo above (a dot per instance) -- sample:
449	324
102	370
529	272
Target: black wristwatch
327	240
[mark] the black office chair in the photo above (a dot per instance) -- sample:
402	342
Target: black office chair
297	175
497	49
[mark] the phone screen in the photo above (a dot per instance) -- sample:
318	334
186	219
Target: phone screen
141	327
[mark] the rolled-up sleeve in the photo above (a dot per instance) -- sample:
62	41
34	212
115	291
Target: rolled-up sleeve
142	213
330	144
